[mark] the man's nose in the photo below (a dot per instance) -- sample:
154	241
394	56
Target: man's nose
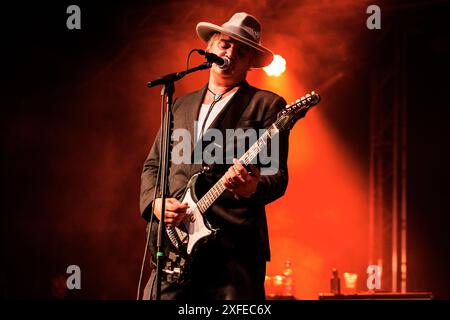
232	52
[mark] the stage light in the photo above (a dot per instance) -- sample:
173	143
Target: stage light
277	67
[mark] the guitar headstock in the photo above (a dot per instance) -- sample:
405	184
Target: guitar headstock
293	112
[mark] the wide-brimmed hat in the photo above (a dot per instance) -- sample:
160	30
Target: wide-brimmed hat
241	27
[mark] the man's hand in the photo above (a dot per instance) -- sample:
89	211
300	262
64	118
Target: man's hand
174	213
241	182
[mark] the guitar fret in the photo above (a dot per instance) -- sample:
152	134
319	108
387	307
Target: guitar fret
204	204
209	198
252	152
199	206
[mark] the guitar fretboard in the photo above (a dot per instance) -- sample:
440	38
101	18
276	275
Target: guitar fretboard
208	199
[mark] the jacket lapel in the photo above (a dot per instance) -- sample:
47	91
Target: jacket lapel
226	119
229	117
195	100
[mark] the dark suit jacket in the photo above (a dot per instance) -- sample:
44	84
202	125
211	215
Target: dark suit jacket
242	221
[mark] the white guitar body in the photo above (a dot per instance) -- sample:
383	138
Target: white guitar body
194	227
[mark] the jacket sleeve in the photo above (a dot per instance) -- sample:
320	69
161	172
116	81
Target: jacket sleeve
150	173
148	178
273	186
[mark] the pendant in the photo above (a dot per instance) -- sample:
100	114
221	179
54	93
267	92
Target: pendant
217	97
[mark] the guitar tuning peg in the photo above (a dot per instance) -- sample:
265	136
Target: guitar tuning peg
297	101
308	95
313	92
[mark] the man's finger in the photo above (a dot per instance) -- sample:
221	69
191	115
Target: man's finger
176	206
171	215
239	169
235	175
238	179
172	204
254	170
182	207
228	183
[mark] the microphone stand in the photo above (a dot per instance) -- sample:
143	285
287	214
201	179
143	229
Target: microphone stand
168	81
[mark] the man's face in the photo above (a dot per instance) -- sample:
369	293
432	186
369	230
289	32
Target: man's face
239	54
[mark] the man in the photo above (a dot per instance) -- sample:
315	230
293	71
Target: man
232	265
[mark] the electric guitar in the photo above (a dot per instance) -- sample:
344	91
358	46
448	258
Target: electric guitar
194	229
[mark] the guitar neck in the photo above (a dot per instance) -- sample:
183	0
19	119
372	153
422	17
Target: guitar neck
211	196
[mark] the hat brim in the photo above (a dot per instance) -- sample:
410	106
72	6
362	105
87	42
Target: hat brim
264	56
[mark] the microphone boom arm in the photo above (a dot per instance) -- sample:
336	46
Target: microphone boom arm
172	77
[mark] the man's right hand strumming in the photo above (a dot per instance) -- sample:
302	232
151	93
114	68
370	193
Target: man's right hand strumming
174	213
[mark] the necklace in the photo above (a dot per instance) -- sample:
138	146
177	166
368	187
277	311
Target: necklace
218	96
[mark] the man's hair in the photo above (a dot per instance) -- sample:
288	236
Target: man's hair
214	37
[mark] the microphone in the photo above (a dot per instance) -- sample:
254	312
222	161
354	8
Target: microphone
222	62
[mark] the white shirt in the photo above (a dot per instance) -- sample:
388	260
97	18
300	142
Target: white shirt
217	108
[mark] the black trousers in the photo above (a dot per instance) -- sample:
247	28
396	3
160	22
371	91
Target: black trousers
218	272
